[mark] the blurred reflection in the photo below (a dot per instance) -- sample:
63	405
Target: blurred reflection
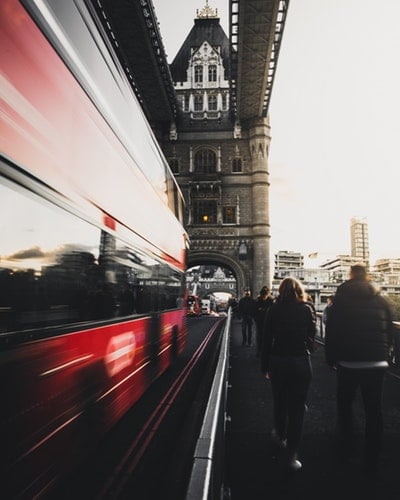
73	272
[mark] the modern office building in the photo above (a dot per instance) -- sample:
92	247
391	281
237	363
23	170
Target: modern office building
286	261
339	266
359	239
387	271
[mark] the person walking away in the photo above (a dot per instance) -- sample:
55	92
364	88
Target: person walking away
246	308
358	339
233	304
288	336
310	301
325	312
263	303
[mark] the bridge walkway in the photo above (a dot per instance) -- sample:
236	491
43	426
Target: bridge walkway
252	470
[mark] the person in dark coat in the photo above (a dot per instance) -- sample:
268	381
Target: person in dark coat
325	312
285	359
357	344
246	308
263	303
233	304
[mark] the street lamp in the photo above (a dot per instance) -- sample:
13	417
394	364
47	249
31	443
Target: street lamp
242	250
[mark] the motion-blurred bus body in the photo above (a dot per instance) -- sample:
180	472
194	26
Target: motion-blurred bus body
92	247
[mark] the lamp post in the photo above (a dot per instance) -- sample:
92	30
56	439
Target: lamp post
242	250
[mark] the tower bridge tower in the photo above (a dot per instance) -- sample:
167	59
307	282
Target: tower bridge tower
208	110
220	165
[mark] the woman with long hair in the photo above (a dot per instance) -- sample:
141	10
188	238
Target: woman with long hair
288	336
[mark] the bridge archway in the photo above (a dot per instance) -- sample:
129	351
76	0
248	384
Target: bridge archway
224	261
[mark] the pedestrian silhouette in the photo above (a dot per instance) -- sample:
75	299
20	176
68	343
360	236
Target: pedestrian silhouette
263	303
246	308
357	344
285	360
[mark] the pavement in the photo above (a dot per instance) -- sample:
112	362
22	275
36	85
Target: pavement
253	469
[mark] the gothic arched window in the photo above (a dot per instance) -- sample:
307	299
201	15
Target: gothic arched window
212	103
198	74
212	73
198	102
205	161
237	165
204	212
229	214
186	101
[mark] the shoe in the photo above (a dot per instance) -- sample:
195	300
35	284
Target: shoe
294	465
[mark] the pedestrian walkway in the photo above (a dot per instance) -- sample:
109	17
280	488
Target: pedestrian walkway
252	471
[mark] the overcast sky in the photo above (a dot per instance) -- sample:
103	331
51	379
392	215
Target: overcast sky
335	121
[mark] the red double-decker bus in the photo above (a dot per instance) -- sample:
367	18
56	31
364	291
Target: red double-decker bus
92	246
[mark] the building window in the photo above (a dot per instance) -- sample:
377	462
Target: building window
212	102
198	102
174	165
186	102
198	74
212	73
205	161
229	215
205	212
224	101
237	165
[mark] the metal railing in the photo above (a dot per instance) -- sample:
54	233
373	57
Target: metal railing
207	476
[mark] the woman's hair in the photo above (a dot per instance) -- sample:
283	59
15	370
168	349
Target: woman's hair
291	290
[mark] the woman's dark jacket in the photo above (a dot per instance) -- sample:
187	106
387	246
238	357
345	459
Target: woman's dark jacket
359	324
289	330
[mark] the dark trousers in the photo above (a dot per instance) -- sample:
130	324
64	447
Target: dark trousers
370	381
290	380
247	328
259	336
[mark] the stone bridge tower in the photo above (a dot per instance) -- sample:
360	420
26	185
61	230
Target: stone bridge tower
221	166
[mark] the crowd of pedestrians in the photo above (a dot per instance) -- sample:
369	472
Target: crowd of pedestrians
358	339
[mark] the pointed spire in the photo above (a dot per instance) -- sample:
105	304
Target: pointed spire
207	12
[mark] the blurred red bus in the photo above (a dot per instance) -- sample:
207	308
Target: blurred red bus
92	248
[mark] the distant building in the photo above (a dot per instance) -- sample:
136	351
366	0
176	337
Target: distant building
286	261
316	281
359	239
204	281
339	267
387	271
387	266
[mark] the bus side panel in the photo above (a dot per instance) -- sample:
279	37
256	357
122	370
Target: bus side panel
51	128
67	391
173	329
